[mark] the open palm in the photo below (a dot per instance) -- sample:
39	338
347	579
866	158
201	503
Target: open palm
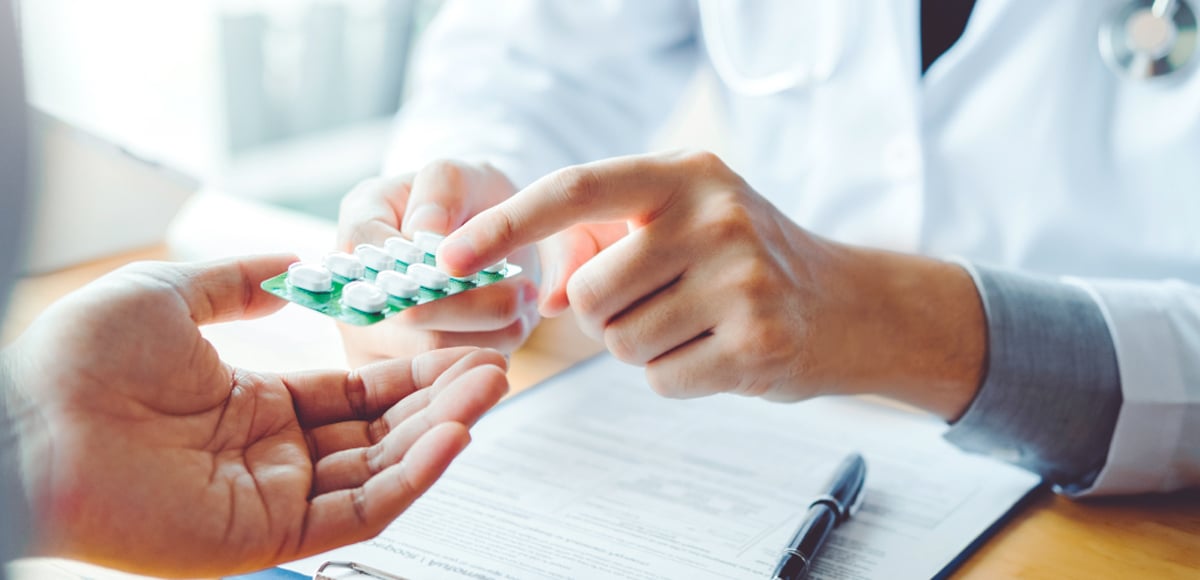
143	450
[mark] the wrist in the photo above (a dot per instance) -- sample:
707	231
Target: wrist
930	331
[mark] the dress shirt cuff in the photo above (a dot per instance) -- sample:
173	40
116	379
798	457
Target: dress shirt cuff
1150	321
1051	393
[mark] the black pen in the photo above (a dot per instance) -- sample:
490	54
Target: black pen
842	497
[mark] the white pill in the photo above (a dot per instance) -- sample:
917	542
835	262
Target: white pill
429	277
404	250
496	268
345	265
397	284
364	297
374	257
428	241
310	277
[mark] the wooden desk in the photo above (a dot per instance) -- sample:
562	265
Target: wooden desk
1049	537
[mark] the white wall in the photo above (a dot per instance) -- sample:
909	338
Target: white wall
142	73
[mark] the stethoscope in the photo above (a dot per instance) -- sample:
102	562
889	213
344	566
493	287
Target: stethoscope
1142	40
1147	39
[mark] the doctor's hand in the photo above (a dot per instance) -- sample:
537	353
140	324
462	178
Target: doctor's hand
678	265
438	199
142	450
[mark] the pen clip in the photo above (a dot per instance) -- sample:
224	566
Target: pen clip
359	569
858	501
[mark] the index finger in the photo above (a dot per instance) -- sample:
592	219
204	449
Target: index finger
636	187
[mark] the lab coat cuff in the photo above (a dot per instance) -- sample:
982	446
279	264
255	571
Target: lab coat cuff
1147	327
1051	392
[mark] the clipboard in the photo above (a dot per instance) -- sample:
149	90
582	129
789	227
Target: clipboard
975	514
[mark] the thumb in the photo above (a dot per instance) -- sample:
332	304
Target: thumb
226	290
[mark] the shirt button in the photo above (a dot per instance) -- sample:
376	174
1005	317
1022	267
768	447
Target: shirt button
902	158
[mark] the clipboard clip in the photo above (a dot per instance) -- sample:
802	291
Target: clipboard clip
335	570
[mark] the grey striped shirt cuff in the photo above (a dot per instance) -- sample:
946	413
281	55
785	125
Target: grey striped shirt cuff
1052	390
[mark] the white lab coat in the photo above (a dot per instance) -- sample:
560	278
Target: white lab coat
1019	149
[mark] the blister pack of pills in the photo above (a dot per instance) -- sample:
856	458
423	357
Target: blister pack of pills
376	282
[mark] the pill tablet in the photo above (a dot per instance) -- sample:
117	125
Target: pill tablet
345	265
404	250
364	297
374	257
496	268
428	241
397	284
311	278
429	277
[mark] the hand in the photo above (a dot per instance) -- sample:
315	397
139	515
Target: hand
438	199
677	264
142	450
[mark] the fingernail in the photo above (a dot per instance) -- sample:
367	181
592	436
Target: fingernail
457	252
430	217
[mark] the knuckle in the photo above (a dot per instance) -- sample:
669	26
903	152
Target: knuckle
354	389
665	382
758	344
703	160
622	344
358	499
751	278
505	225
451	173
577	182
729	220
752	386
582	296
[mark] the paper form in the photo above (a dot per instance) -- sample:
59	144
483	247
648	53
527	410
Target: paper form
592	475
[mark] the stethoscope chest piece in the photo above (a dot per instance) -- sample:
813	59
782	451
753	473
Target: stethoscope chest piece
1145	39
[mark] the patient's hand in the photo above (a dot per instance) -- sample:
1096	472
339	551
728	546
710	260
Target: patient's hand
142	450
438	199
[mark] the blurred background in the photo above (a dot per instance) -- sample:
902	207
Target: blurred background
281	100
278	103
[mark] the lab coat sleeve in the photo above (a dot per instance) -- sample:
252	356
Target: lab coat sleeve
1095	384
536	85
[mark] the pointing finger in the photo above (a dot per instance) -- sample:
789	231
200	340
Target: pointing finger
625	188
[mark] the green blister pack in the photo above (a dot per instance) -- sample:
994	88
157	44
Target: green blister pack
375	283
